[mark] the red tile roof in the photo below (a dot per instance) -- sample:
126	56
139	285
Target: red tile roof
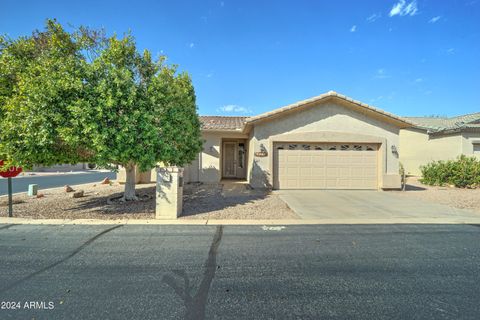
222	123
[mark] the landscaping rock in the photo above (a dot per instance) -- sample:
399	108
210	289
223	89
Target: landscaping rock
105	181
40	195
68	188
78	194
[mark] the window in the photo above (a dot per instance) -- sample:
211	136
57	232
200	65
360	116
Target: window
292	146
476	148
306	147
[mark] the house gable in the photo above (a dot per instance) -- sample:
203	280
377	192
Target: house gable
323	99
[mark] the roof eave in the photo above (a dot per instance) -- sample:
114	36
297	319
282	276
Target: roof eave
402	123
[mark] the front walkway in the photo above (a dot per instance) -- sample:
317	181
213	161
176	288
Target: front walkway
367	205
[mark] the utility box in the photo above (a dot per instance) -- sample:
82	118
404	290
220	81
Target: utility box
169	195
32	190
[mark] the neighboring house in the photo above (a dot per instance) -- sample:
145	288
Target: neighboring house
326	142
438	138
62	167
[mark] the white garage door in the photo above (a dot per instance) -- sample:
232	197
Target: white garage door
325	166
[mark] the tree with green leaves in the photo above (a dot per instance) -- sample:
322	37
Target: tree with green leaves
68	97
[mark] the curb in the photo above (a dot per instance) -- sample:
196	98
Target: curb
25	221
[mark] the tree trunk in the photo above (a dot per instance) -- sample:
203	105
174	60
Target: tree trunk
129	192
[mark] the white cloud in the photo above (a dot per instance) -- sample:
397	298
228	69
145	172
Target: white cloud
397	8
374	17
353	28
191	45
418	80
381	74
209	75
403	9
434	19
234	108
450	51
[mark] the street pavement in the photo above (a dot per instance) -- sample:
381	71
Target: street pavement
240	272
20	184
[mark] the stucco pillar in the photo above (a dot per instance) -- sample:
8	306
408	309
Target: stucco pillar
169	195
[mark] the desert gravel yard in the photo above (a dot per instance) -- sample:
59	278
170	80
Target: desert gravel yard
451	196
200	202
213	202
57	204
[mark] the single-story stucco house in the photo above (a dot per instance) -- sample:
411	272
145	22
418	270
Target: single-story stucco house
438	138
326	142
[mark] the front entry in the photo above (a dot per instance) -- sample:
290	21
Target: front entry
234	159
230	159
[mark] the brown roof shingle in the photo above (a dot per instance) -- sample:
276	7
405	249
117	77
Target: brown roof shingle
222	123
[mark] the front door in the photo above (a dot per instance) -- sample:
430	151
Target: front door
230	159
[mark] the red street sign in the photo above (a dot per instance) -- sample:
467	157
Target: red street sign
11	172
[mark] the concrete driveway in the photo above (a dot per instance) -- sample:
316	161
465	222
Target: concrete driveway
364	206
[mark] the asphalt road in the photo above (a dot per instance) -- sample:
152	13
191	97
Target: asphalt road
244	272
20	184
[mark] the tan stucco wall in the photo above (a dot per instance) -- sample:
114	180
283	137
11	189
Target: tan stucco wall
326	117
417	148
468	139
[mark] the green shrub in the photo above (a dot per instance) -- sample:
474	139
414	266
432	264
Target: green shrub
464	172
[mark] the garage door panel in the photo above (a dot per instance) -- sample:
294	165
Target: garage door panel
325	169
318	160
318	172
357	172
292	159
318	183
306	172
306	159
331	172
293	172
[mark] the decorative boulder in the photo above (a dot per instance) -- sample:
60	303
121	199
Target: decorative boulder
78	194
40	195
68	188
105	181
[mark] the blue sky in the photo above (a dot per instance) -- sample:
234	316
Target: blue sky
247	57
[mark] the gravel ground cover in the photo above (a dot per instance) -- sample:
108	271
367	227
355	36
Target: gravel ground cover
451	196
58	204
208	202
200	202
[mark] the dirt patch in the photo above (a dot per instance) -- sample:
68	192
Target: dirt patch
200	202
454	197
